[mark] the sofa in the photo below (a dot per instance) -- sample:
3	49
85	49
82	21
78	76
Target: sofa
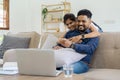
9	55
105	63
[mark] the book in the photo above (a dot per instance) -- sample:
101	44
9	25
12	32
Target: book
9	68
8	72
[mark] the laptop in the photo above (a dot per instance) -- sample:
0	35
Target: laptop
36	62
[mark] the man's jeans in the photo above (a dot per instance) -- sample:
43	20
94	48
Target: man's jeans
80	67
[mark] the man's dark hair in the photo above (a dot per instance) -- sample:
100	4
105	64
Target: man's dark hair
85	12
69	16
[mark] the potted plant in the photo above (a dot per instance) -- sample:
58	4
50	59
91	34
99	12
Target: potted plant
44	13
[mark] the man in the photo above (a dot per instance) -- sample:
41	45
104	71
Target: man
87	46
95	29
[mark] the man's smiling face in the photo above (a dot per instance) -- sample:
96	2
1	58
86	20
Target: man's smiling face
83	22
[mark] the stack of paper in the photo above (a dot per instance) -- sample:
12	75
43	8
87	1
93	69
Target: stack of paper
9	68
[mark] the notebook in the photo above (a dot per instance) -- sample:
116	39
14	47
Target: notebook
36	62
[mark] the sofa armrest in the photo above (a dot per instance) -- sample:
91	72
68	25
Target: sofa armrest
9	56
1	62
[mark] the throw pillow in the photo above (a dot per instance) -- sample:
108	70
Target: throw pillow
67	56
49	42
10	42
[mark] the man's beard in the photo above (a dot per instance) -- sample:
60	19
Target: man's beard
81	28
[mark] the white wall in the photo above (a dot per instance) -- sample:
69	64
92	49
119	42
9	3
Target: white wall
25	15
105	12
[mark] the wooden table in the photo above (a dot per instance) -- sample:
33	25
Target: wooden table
26	77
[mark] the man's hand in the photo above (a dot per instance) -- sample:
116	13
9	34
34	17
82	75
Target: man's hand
67	43
76	39
57	47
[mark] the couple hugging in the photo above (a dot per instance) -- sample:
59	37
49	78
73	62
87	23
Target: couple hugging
82	37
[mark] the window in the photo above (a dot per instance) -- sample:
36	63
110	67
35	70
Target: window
4	14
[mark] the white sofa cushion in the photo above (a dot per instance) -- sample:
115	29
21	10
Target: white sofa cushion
67	56
50	41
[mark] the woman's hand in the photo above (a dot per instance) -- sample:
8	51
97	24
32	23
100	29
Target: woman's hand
61	41
76	39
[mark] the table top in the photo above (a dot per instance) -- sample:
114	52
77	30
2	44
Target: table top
26	77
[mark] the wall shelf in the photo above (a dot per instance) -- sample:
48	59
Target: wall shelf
54	17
